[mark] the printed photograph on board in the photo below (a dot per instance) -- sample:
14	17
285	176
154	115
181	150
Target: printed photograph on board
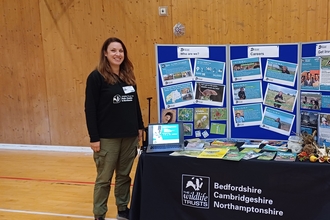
177	71
168	115
280	72
325	74
311	100
209	93
310	73
209	71
178	95
246	69
280	97
247	115
218	128
185	114
309	122
277	121
187	129
247	92
218	114
309	119
202	118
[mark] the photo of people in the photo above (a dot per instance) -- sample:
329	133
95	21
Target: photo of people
278	100
310	73
284	69
310	79
239	117
311	100
280	97
247	115
209	93
168	116
247	92
277	121
241	94
280	72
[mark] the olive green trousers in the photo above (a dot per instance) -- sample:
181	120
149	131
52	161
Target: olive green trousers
116	155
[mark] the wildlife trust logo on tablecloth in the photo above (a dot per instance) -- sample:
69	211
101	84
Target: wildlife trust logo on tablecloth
196	191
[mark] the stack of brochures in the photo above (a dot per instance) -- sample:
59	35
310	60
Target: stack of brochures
285	156
215	153
275	148
195	146
217	143
251	154
234	154
267	156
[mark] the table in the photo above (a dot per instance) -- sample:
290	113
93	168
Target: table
185	188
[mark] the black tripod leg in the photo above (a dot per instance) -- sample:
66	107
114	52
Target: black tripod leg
145	136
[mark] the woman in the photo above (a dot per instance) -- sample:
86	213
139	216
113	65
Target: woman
115	125
284	69
278	121
168	117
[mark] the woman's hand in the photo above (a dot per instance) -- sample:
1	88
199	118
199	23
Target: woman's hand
95	146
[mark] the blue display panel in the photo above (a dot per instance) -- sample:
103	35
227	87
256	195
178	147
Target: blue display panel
193	90
264	107
315	91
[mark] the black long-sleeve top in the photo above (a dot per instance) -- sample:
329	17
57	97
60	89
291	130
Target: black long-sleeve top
110	112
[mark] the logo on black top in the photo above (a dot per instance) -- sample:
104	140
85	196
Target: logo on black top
116	99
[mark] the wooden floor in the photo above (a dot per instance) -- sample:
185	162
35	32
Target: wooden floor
48	185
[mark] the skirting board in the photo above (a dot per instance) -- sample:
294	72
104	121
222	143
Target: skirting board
48	148
45	148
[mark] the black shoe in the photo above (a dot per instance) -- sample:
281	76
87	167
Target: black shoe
123	215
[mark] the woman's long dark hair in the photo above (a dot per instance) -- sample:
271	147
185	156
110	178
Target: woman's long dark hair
126	72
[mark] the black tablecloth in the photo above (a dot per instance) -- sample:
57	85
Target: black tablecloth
184	188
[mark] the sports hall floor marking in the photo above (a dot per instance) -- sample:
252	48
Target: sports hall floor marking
46	180
51	181
50	214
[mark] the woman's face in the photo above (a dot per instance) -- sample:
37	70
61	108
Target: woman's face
167	118
115	54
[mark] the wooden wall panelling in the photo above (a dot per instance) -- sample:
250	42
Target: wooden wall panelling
51	46
67	33
24	112
144	29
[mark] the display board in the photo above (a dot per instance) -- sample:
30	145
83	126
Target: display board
191	88
264	91
268	91
315	90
